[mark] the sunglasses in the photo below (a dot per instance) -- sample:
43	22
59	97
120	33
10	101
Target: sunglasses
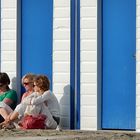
25	83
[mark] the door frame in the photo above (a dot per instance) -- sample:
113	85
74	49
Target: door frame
99	63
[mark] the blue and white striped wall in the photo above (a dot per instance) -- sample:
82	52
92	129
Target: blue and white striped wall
62	57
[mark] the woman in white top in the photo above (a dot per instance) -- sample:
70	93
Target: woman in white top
44	98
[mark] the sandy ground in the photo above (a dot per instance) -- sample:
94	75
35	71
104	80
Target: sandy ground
6	134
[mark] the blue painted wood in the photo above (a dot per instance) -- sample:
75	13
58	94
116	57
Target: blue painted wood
72	67
75	66
119	64
36	51
78	67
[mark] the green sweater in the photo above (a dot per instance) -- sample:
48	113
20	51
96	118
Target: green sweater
10	94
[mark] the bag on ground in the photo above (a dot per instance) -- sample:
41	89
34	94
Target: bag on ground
33	122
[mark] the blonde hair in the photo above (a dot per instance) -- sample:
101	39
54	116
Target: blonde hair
28	76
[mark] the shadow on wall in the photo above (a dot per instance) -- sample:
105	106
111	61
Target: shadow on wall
13	83
65	108
16	85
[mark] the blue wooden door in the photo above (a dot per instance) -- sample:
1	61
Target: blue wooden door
36	28
119	64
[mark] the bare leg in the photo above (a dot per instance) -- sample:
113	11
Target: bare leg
4	113
14	116
10	118
8	123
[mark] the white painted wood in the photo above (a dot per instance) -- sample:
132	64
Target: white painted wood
88	64
138	66
61	58
8	39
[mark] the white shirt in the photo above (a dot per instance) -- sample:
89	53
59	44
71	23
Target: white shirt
48	98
